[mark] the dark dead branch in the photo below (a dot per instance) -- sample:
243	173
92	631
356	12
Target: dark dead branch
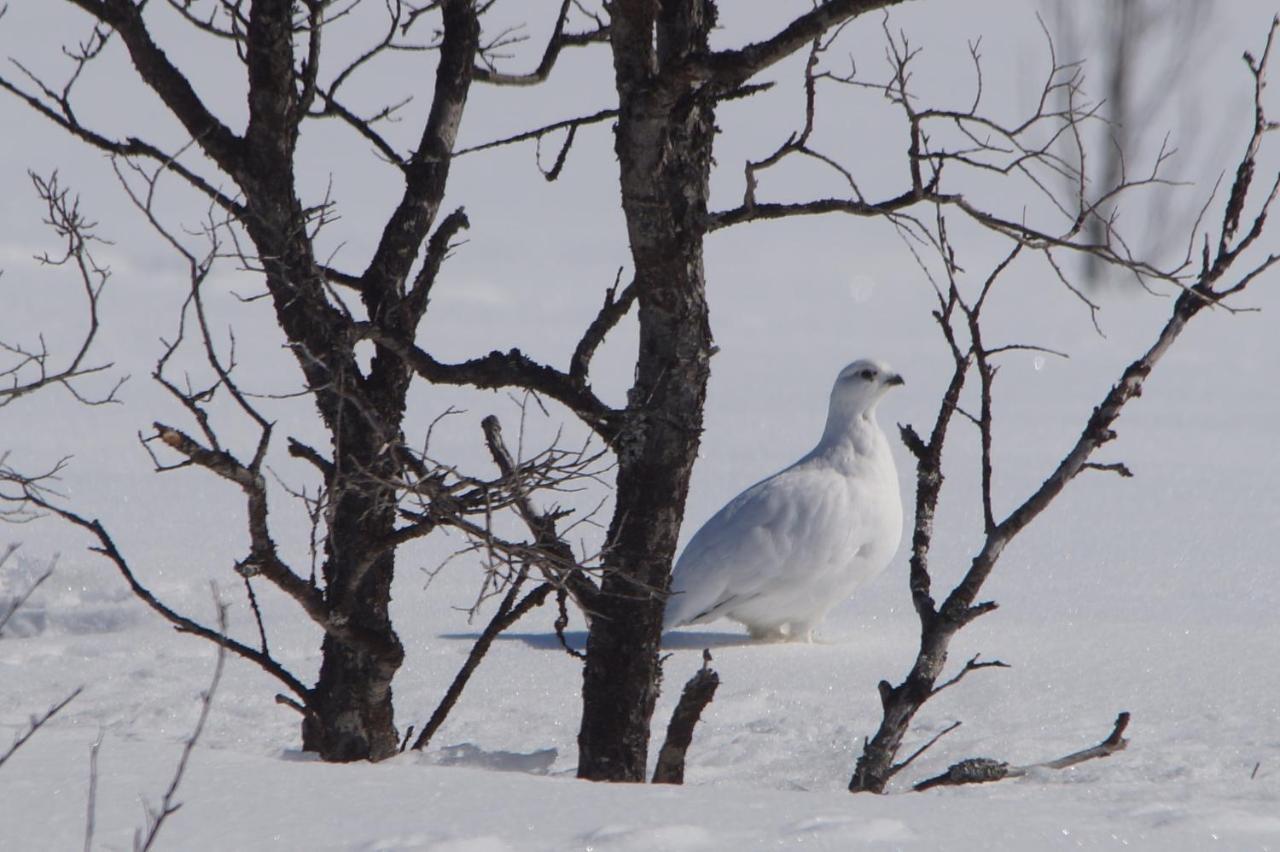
57	108
968	141
972	665
35	495
511	369
728	69
697	694
558	563
983	770
560	39
223	146
1118	468
930	743
615	307
511	610
427	169
299	450
415	301
263	558
570	124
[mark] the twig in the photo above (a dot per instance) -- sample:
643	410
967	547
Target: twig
928	745
91	809
1118	468
19	601
972	665
155	819
37	723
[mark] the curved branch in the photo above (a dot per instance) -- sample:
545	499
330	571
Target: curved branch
217	140
558	41
504	370
615	307
107	548
131	147
727	69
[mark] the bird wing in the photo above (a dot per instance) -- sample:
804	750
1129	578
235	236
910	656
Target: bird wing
798	522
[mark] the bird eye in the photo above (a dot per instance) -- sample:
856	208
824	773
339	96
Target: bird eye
868	374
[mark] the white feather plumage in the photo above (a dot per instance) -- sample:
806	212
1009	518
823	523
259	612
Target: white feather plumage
782	553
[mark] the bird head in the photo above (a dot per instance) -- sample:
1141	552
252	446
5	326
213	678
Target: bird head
859	387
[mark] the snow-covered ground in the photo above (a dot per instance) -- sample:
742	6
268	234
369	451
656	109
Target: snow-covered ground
1156	595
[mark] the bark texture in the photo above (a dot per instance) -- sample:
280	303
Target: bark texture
663	141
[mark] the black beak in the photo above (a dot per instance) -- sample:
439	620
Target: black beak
895	379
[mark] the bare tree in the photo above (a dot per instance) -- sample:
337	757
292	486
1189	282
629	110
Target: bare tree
375	491
1219	264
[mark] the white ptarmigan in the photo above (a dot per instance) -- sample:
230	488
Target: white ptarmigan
782	553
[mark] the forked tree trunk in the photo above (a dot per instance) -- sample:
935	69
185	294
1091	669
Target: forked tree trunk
663	141
349	715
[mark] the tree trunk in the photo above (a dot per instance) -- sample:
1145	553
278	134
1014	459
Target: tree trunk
351	715
663	141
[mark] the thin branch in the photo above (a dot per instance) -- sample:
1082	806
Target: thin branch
143	840
106	547
507	614
37	723
217	140
24	596
930	743
555	556
571	124
31	369
972	665
1210	287
558	41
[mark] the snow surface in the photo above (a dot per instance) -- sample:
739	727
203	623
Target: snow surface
1156	595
